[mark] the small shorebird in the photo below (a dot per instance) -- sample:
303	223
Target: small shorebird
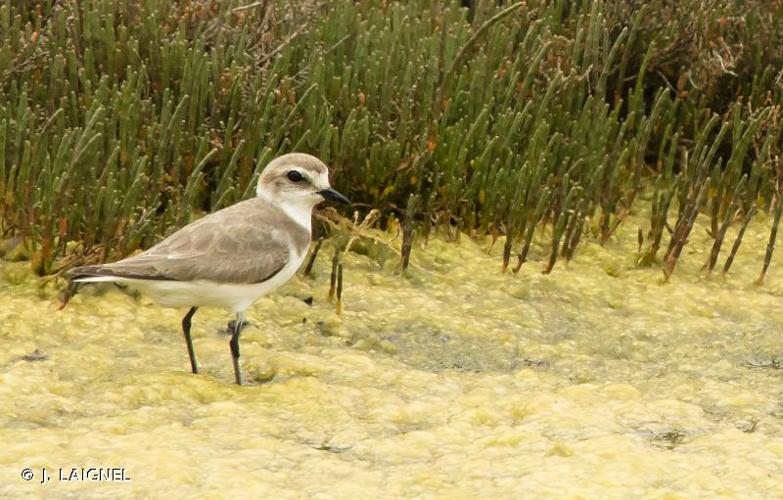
231	257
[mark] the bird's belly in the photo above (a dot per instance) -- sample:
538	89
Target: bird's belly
233	297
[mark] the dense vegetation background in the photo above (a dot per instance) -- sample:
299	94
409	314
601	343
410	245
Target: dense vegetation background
555	116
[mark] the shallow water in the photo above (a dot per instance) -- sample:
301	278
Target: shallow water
454	381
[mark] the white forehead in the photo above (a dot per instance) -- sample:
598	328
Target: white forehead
319	179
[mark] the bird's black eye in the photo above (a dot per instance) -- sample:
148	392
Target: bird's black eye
294	176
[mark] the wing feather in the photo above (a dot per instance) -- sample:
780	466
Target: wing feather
239	244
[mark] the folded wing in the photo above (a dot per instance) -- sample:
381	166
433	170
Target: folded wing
241	244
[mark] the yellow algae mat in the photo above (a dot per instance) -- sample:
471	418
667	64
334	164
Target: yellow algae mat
452	381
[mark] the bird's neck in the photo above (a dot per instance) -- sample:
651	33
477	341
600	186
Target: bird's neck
298	209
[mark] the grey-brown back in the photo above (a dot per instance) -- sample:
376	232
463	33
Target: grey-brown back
242	244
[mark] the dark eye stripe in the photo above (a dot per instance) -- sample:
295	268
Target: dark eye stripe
295	176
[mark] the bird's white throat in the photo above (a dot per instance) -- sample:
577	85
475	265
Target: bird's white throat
300	209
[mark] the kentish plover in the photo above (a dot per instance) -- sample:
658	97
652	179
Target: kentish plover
231	257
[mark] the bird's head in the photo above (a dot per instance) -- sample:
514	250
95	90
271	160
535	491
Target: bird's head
298	181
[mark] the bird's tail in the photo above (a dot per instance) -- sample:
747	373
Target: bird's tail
79	275
91	274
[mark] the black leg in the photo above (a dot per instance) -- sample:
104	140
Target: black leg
230	326
186	331
234	344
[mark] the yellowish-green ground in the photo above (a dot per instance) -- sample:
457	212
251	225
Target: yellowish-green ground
454	382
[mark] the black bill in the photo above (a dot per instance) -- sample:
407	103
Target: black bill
332	195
